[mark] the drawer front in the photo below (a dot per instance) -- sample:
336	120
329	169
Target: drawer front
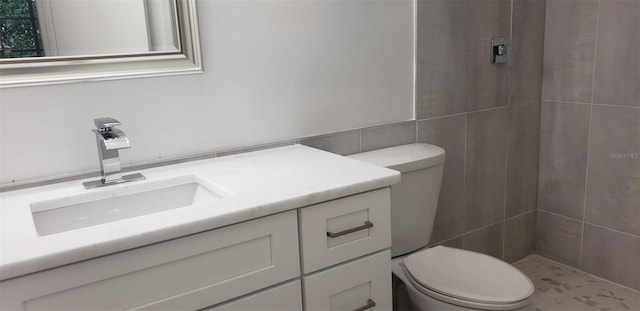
364	284
186	273
287	297
339	230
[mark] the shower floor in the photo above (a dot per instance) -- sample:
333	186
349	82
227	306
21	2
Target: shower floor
560	287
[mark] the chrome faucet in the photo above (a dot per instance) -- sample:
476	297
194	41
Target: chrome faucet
110	140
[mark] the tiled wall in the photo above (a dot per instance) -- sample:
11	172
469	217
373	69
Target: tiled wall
485	116
589	178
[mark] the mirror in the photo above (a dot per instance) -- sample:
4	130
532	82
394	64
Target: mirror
58	41
47	28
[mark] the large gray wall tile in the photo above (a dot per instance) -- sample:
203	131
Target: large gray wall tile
613	188
527	42
485	167
441	57
558	238
448	133
573	28
487	84
520	237
612	255
523	140
344	143
563	158
486	240
617	80
569	50
388	136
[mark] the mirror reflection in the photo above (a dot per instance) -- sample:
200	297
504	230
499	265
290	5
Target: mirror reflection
64	28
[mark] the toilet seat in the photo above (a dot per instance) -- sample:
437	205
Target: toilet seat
468	279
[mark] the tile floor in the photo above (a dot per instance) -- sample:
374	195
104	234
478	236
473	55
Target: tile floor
560	287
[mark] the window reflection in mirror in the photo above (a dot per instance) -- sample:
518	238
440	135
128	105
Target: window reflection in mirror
63	28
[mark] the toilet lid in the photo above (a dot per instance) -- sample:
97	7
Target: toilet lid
468	275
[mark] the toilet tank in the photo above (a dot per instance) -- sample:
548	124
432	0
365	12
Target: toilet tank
414	200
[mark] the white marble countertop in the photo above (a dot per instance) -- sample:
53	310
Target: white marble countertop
261	183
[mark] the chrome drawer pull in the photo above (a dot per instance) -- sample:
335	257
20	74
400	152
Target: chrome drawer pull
367	225
370	304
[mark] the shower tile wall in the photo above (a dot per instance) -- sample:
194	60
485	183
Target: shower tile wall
589	177
487	118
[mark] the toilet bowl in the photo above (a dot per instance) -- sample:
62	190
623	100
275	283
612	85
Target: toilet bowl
443	278
439	278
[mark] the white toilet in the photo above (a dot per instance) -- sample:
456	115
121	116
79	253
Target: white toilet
439	278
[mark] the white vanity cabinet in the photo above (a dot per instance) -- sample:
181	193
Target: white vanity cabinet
335	233
332	255
363	284
187	273
280	298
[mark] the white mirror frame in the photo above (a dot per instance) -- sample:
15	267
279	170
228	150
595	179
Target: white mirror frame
76	69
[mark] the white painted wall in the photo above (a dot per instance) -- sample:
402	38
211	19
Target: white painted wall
274	70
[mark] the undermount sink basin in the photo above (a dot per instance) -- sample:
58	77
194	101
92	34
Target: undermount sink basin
123	201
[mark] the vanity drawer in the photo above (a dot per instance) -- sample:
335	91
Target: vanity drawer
287	297
191	272
364	284
346	228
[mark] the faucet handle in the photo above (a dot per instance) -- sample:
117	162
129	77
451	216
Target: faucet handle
105	124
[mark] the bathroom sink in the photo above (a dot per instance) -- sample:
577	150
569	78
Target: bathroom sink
113	203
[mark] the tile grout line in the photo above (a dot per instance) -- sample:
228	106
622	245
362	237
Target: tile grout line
586	183
595	52
484	227
537	206
506	140
613	230
506	168
415	61
466	121
525	103
443	116
469	232
475	111
488	109
616	106
493	108
564	102
510	55
464	182
586	174
559	215
521	214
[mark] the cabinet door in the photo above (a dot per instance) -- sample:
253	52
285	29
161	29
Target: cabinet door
364	284
287	297
191	272
343	229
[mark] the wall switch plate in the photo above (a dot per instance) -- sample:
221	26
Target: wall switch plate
498	50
